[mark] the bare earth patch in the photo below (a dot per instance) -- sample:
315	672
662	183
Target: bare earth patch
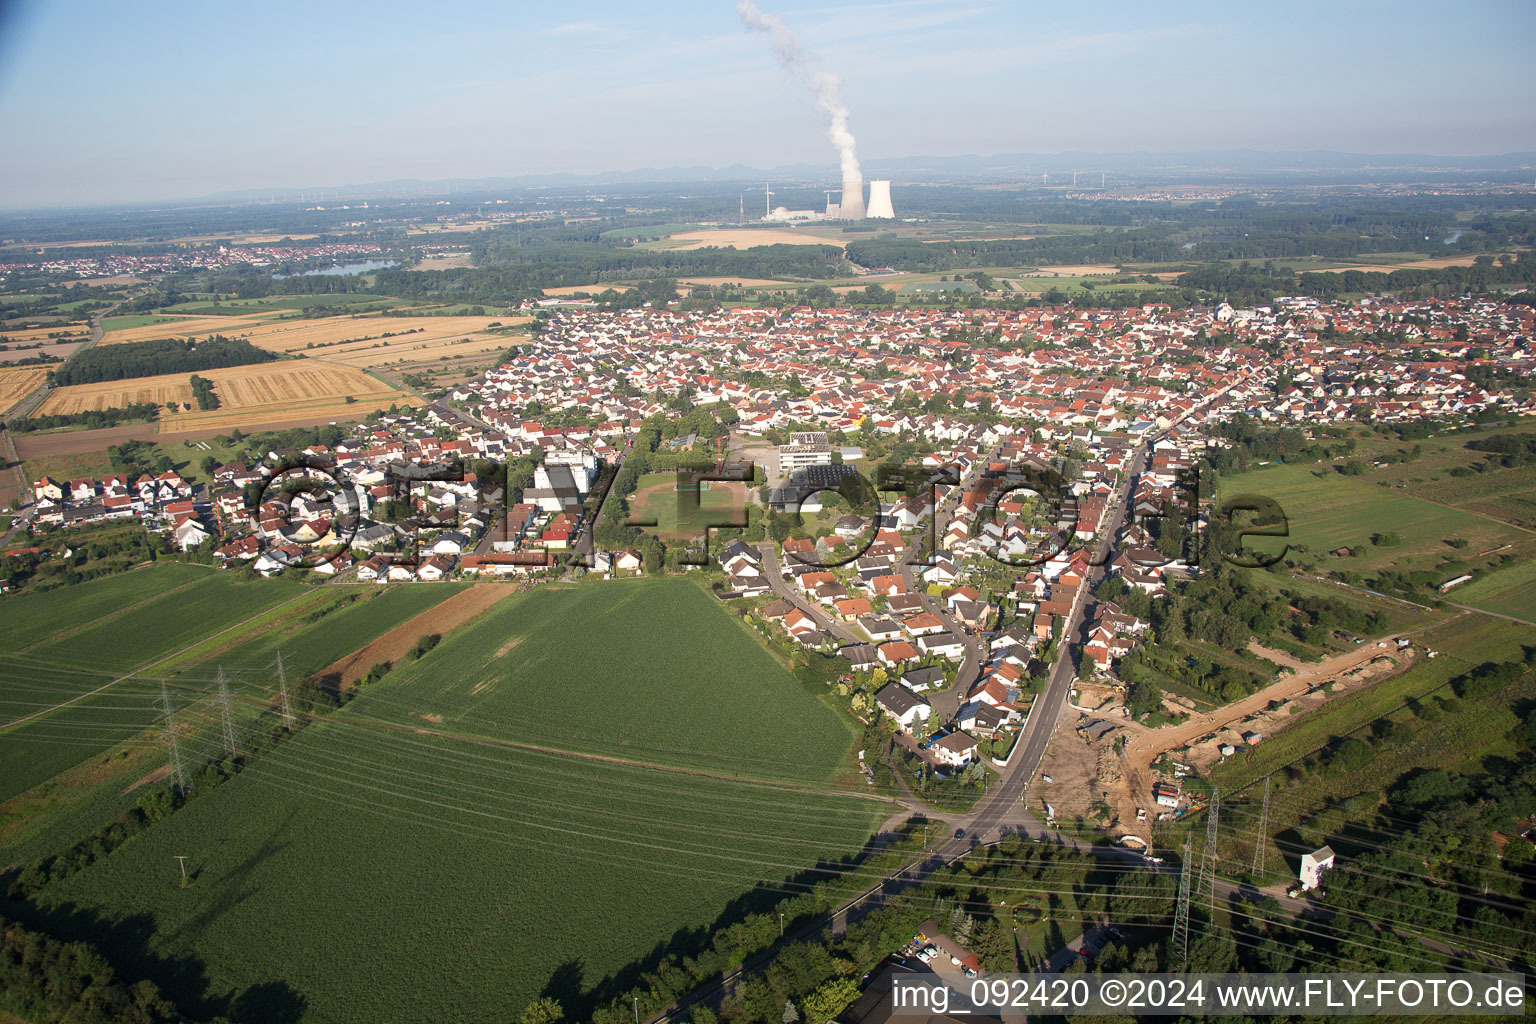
162	772
400	641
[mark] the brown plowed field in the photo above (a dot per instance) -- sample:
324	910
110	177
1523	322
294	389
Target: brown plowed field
468	604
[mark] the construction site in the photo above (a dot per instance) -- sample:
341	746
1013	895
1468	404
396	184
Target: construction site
1104	770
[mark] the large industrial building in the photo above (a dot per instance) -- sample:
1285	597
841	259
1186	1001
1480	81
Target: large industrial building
851	206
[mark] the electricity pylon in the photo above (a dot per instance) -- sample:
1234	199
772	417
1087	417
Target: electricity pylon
282	692
1261	840
227	713
1178	950
172	744
1208	855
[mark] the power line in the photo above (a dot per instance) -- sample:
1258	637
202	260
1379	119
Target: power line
282	691
1178	952
1208	855
227	714
1261	838
173	745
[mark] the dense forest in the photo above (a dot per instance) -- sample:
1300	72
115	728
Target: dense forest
151	358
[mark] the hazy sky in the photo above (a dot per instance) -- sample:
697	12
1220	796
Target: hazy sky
107	101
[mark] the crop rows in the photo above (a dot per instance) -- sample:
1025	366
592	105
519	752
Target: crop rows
672	679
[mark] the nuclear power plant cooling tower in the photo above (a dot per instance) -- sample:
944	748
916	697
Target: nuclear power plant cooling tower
880	200
853	199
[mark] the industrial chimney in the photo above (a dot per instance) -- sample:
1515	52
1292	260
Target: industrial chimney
853	198
880	200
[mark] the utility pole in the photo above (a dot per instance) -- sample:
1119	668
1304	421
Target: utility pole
1178	949
282	691
1262	839
1208	856
173	745
227	713
183	862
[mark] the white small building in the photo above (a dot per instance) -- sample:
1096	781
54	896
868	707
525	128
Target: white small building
1314	865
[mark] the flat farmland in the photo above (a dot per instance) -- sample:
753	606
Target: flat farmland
676	681
61	350
33	753
1327	511
57	332
741	238
17	383
33	618
293	335
418	348
542	811
507	873
124	329
140	633
262	393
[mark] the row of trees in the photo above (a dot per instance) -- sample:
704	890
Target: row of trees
90	419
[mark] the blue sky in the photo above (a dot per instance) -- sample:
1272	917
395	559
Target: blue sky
106	102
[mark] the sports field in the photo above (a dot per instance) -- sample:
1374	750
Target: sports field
248	395
676	515
511	869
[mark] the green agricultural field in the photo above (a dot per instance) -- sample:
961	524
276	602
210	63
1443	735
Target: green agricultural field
38	750
65	643
34	618
510	870
150	630
1327	511
650	670
312	633
123	323
340	621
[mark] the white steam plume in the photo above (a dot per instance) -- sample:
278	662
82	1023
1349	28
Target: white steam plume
827	87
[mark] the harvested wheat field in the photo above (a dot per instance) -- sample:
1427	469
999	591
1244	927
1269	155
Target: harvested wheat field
468	604
747	238
64	331
334	331
187	327
18	383
418	349
1439	263
248	395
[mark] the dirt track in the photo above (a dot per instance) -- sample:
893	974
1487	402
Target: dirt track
400	641
1142	749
